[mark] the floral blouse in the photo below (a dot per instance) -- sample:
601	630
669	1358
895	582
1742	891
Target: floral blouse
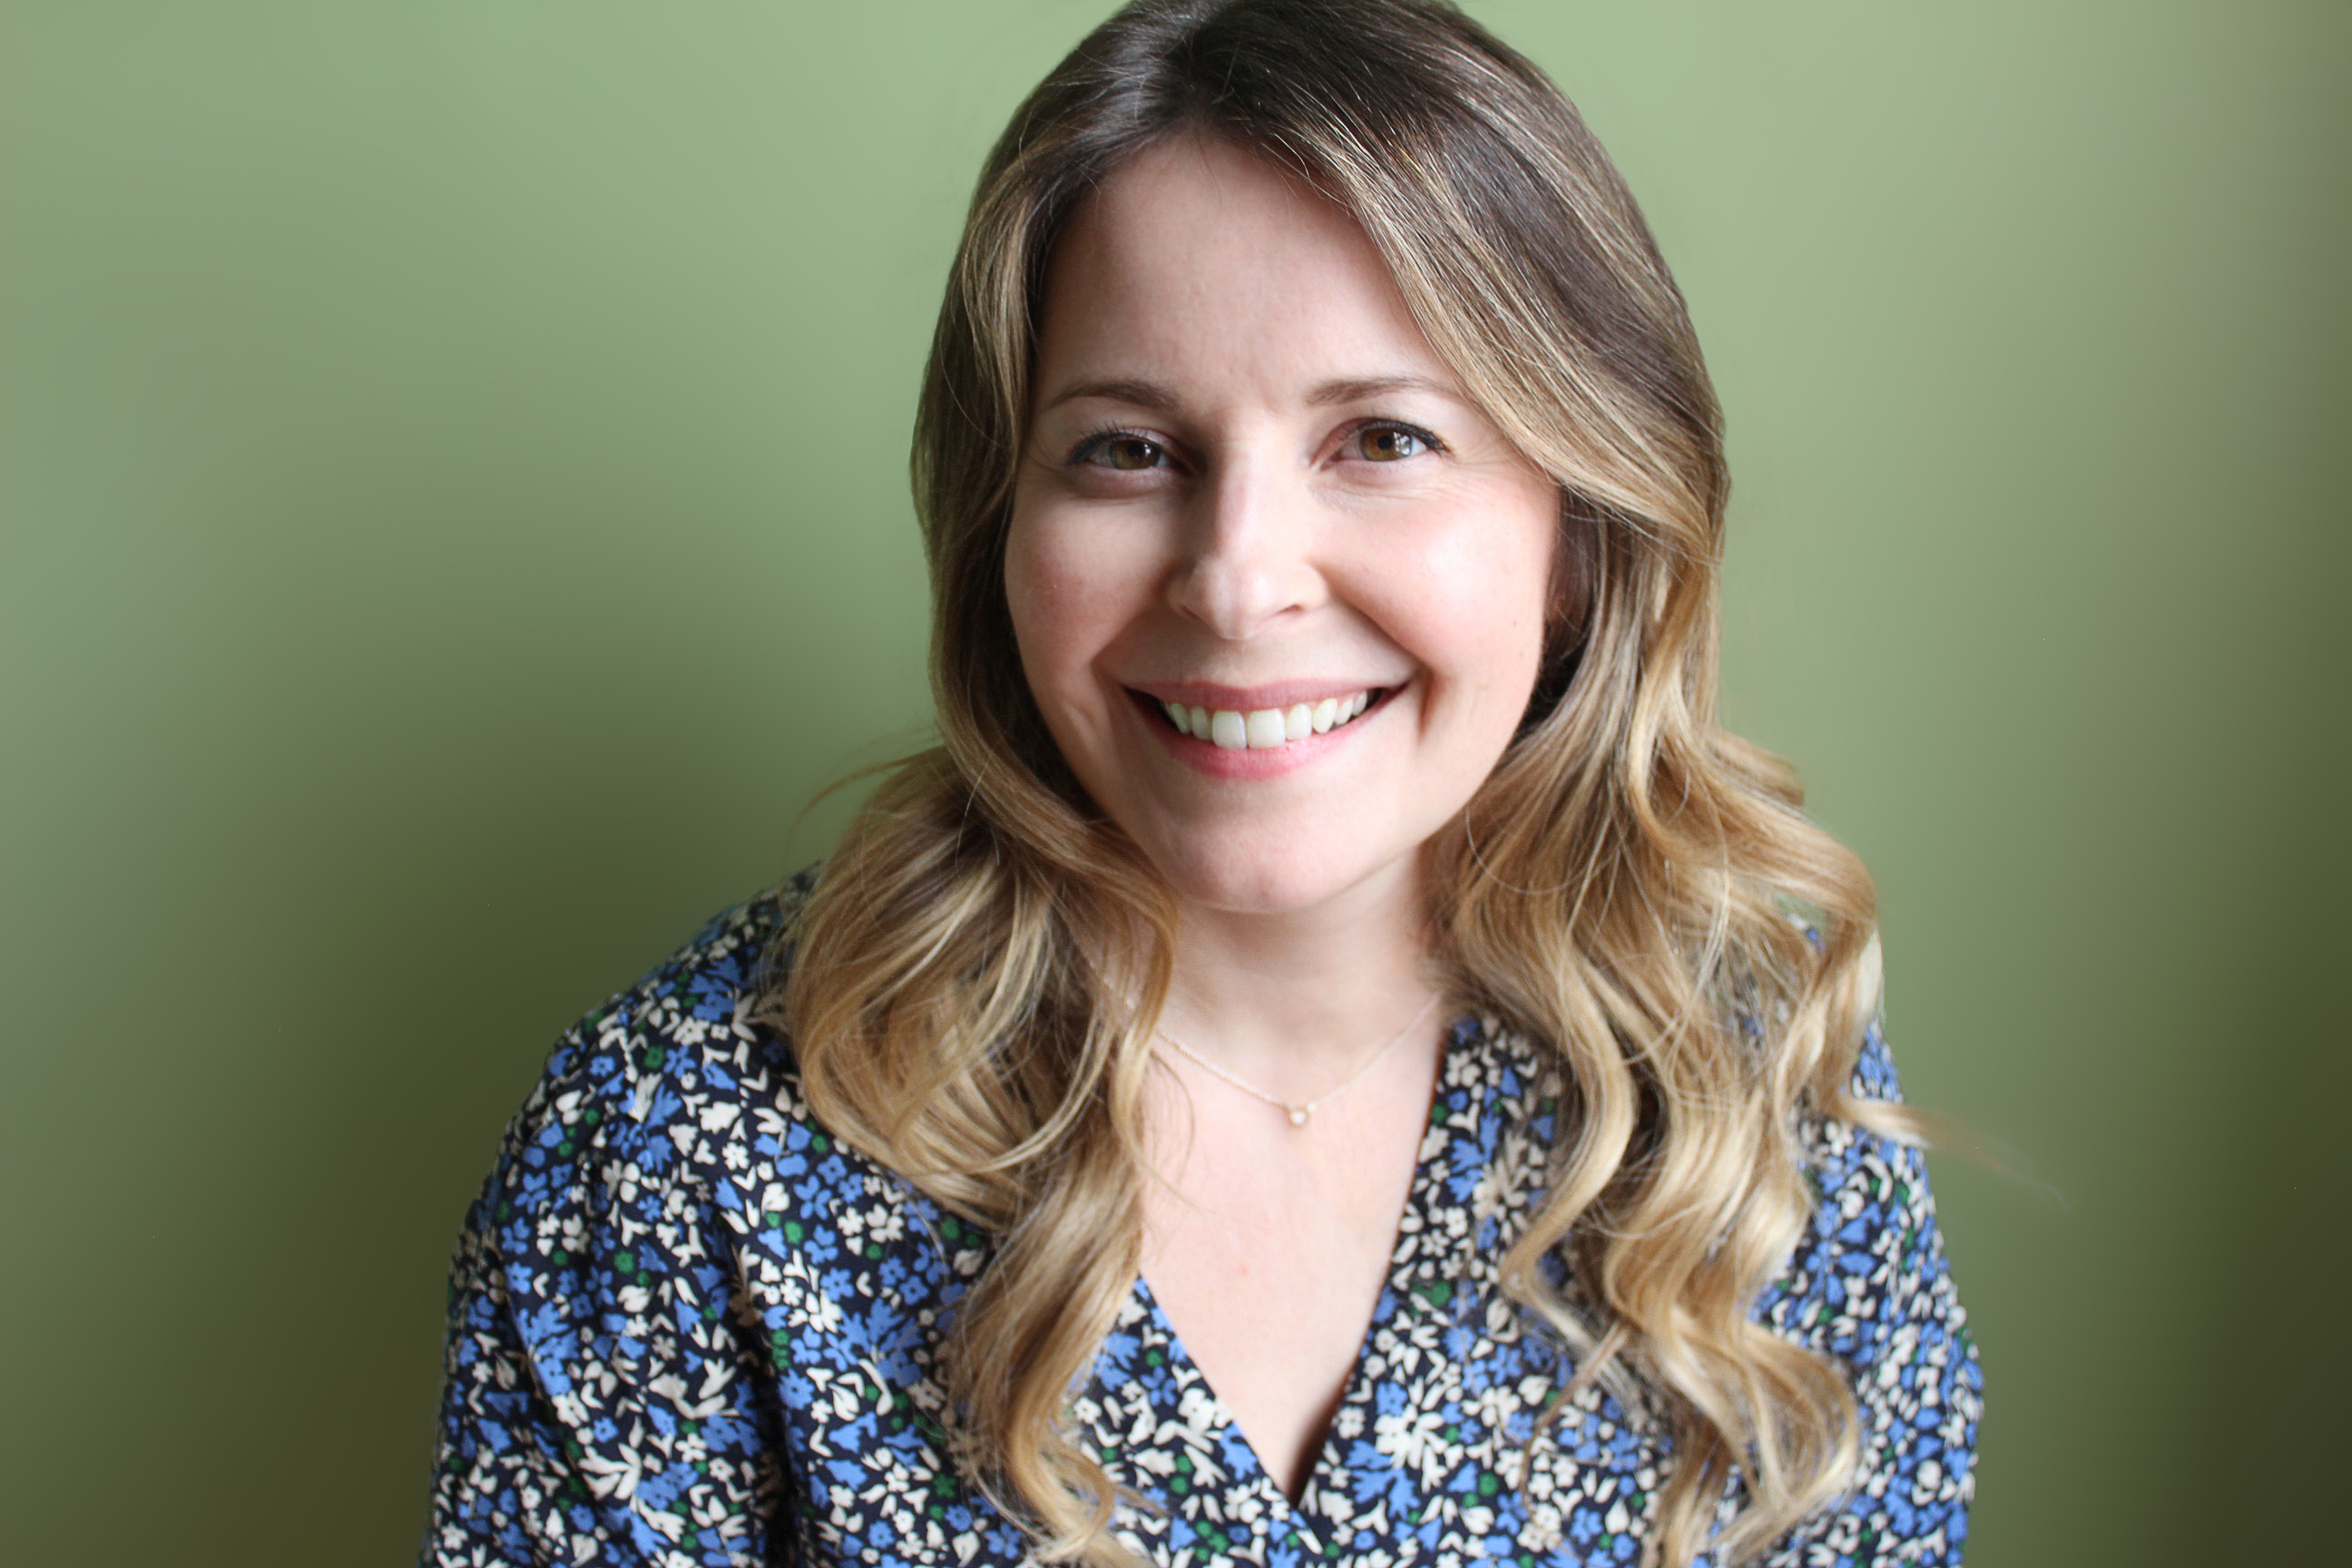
690	1327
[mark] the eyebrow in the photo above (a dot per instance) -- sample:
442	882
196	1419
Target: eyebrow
1380	386
1142	393
1160	398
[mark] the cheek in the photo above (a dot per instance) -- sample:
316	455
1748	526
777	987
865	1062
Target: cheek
1036	595
1482	598
1065	597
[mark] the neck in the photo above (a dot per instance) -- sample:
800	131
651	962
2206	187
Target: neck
1302	994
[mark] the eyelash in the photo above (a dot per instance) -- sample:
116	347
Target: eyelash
1094	441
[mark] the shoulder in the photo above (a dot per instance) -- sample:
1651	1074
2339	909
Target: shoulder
698	1005
1842	1154
1868	1284
600	1387
671	1127
652	1089
1871	1240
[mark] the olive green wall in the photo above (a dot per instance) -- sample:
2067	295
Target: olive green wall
452	498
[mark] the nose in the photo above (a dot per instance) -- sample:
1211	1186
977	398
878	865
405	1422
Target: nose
1248	555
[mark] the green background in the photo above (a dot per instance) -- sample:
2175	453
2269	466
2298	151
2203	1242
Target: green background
454	518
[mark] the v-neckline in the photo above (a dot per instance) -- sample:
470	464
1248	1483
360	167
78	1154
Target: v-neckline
1465	1034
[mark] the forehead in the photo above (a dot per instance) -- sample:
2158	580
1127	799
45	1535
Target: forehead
1196	256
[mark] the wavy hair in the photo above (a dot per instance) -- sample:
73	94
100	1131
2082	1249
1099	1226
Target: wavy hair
1620	889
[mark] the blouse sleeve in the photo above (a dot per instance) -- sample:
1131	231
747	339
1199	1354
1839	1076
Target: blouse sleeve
1870	1287
602	1403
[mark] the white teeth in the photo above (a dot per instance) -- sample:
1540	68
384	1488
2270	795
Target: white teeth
1266	727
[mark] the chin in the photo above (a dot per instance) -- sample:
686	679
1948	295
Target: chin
1237	881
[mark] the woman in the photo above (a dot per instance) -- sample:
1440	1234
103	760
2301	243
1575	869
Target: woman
1334	1056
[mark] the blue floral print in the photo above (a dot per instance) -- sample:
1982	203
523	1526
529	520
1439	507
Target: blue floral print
688	1327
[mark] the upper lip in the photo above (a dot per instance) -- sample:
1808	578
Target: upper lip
1250	698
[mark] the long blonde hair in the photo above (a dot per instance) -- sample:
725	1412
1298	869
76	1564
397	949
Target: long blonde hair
1620	889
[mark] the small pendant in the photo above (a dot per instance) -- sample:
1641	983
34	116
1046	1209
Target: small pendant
1299	1114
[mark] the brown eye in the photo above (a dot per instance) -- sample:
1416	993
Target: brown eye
1387	443
1127	452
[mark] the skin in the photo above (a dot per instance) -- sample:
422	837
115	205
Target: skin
1251	481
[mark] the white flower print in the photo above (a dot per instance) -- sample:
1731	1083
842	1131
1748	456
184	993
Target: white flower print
754	1357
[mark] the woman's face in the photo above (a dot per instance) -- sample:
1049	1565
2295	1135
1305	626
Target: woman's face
1254	492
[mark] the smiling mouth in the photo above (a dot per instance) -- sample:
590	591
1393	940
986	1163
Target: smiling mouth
1261	729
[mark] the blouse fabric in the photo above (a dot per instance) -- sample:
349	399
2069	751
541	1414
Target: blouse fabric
690	1327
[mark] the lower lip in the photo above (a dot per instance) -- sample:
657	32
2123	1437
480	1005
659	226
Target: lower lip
1248	762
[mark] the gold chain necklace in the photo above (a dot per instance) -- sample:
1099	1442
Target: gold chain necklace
1299	1111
